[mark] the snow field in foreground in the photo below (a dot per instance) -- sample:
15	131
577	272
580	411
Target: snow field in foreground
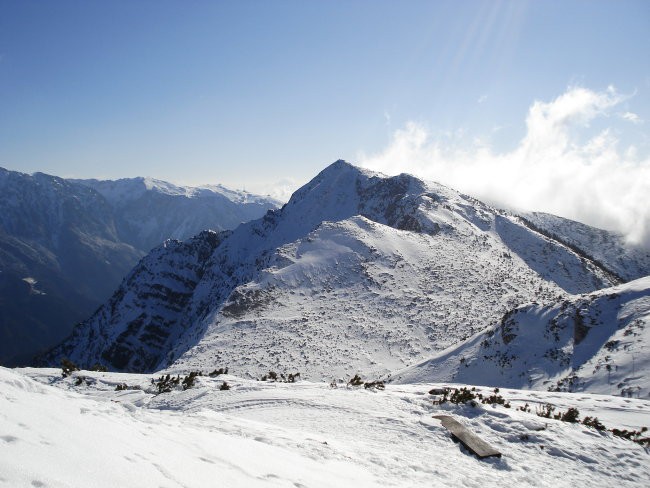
55	434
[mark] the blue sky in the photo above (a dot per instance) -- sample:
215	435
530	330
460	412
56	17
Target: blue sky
255	93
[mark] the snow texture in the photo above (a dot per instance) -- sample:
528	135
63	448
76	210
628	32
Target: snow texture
596	342
260	434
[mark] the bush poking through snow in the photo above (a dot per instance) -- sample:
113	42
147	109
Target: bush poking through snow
368	385
188	381
495	399
218	372
291	378
67	367
594	423
355	381
374	385
273	376
121	387
80	380
545	411
633	435
571	415
224	386
99	367
465	395
167	383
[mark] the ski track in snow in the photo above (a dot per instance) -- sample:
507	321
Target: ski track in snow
55	434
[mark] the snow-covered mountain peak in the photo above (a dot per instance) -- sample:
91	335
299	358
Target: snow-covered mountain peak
358	270
123	191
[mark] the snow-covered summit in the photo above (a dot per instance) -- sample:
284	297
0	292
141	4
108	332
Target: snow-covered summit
125	190
148	210
357	272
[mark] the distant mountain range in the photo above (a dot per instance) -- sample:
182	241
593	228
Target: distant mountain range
65	245
357	273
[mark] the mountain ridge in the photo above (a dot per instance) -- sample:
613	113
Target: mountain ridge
357	271
64	248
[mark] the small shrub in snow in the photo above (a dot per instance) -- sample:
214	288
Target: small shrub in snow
292	377
224	386
372	385
218	372
67	367
594	423
166	383
188	381
545	411
121	386
495	399
633	435
99	367
571	415
272	376
355	381
463	395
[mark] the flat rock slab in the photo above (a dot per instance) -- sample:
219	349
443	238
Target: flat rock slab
470	440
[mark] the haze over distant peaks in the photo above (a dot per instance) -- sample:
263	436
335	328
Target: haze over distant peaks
65	245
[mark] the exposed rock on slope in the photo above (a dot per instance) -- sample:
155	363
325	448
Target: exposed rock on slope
609	249
166	277
597	342
356	273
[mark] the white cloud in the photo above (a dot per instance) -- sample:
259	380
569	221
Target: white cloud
280	190
482	98
549	170
632	117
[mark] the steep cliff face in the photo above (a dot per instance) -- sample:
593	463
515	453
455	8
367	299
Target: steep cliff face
146	312
357	272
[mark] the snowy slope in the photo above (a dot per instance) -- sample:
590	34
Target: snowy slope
608	248
357	271
598	342
148	211
256	434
